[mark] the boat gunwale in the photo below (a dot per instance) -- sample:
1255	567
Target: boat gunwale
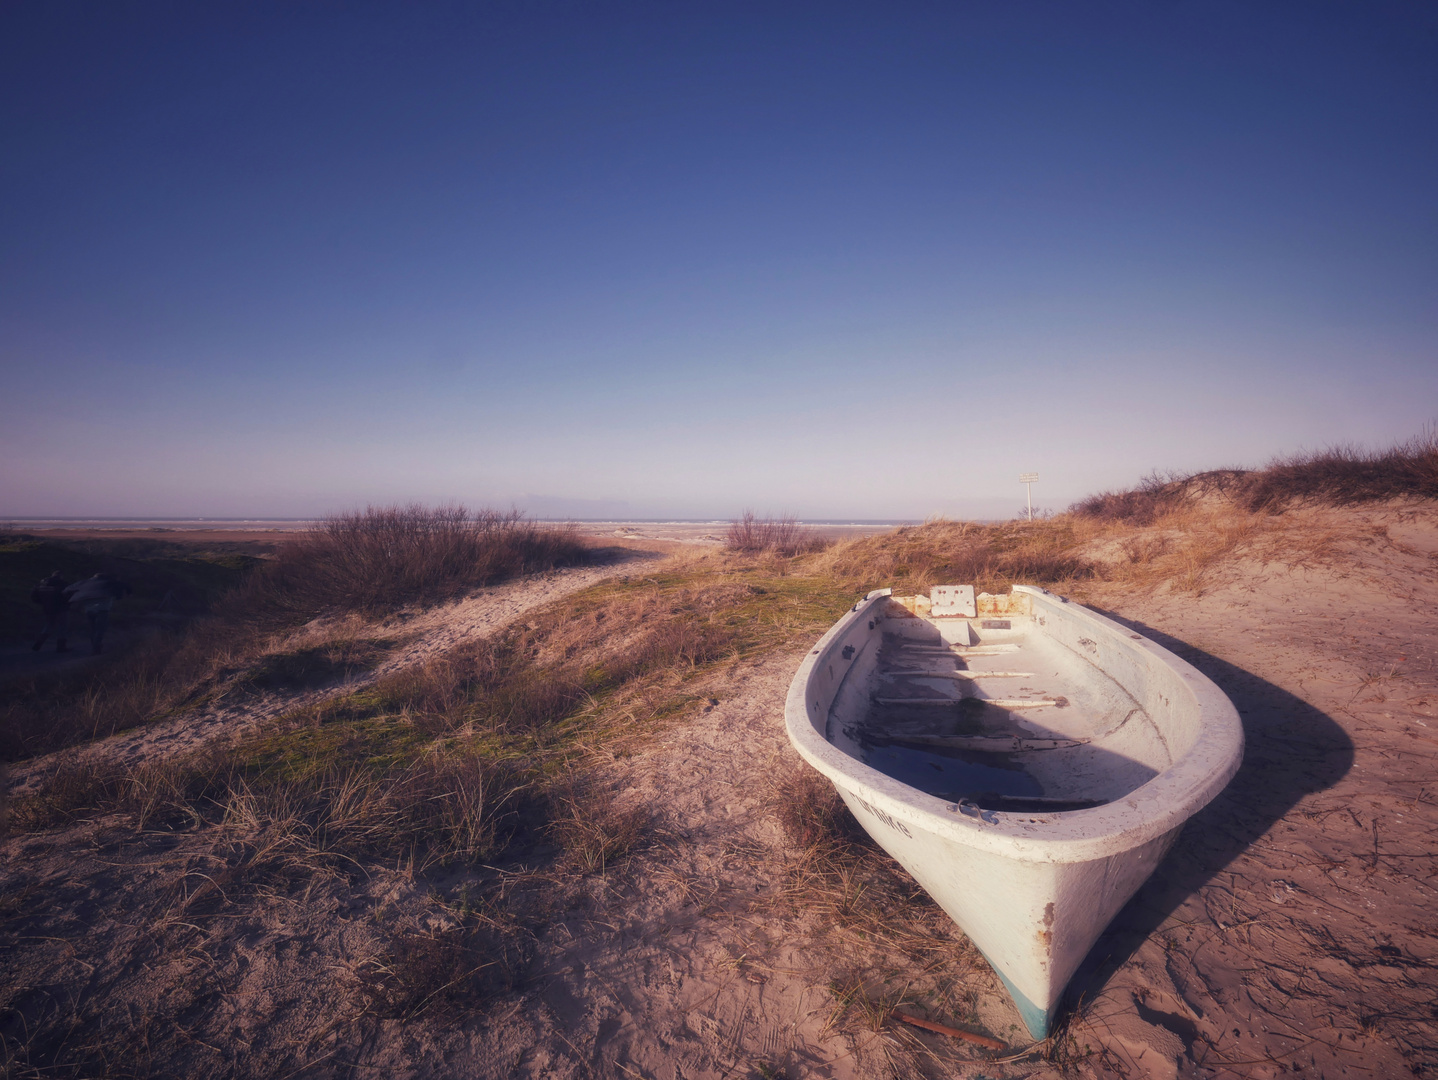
1160	805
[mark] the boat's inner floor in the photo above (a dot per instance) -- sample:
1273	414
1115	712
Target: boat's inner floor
1011	721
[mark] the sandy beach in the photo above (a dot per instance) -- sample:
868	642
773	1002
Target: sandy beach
1290	930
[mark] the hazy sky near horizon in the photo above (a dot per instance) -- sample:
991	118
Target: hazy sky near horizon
866	260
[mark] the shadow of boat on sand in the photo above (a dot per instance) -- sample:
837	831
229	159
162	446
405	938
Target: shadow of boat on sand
1293	750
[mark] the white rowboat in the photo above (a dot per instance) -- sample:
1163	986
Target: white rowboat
1031	813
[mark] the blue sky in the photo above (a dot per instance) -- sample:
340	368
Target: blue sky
846	260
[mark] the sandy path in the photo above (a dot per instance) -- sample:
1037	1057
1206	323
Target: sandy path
419	636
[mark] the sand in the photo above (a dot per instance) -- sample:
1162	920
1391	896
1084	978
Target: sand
1290	931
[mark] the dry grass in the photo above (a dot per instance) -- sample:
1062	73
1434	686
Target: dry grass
810	811
490	758
992	557
890	944
441	971
46	711
80	787
838	874
1345	475
1183	544
493	754
1158	495
592	825
611	650
452	760
782	535
1336	476
431	811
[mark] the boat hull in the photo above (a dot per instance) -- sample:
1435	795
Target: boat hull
1033	890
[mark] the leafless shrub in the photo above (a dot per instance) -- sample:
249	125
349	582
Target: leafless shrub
781	535
386	557
1155	495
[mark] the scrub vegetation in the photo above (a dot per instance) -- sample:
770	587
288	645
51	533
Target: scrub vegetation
522	711
1337	476
215	622
781	535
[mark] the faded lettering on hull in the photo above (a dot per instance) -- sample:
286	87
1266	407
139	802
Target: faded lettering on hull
888	820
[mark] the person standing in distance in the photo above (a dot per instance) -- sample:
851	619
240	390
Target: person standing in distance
96	596
50	595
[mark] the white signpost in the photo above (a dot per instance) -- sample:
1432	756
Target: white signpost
1029	479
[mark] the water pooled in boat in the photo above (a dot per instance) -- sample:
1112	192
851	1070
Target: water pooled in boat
987	725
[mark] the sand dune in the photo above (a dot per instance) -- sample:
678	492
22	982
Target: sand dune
1291	930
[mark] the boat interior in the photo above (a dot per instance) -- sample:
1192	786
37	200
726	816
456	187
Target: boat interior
968	699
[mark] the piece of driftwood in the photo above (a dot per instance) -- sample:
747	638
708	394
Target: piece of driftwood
967	1036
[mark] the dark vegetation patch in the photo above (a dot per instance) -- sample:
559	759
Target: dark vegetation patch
172	581
443	970
1337	476
318	665
229	610
1157	495
1343	476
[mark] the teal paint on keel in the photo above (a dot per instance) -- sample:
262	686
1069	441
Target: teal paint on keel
1035	1018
